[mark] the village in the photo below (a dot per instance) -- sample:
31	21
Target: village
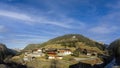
54	53
47	53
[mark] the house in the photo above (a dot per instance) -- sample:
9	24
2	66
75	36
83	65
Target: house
53	55
89	52
92	53
43	50
35	53
64	52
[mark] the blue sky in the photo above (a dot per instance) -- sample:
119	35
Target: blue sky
35	21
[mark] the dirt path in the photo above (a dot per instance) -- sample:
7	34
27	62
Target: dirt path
90	58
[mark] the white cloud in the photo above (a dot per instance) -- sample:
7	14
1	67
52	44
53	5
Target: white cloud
32	20
57	23
64	22
103	29
53	18
15	15
31	36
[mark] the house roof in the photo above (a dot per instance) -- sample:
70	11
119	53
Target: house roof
65	49
52	54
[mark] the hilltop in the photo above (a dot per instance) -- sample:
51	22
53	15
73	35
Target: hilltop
68	40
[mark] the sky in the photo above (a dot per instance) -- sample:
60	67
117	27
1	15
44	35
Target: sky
23	22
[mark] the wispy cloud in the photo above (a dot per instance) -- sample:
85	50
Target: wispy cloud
32	19
55	17
103	29
64	22
56	23
15	15
31	36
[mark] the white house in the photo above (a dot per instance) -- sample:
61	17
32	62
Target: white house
64	52
35	53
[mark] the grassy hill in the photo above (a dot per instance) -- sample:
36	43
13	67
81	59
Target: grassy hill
68	40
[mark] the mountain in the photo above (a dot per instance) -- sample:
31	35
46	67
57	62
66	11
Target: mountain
5	58
68	40
114	49
5	52
115	44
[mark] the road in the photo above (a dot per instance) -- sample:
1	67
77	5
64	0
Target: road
90	58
